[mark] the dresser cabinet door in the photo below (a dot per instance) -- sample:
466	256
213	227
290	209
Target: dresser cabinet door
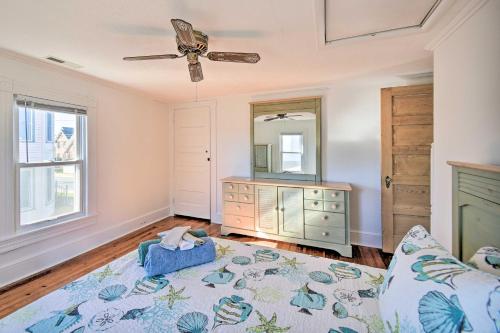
291	211
266	209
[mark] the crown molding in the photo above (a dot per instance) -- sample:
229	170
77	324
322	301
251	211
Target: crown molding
465	14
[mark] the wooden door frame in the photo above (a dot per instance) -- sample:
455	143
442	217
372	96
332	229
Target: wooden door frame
212	105
386	157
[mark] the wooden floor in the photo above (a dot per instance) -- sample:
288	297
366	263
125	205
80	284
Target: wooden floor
24	292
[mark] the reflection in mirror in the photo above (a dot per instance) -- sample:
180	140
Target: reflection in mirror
285	142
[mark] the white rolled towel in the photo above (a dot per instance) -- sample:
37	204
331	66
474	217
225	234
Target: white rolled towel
172	239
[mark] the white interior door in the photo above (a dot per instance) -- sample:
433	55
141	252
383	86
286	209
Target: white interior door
192	161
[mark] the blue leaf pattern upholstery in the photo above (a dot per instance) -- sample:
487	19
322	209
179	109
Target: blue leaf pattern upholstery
429	290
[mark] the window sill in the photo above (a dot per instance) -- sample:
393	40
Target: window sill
18	240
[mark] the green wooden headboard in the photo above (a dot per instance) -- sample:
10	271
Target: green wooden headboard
476	208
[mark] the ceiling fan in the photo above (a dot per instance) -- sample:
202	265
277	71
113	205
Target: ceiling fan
193	44
282	116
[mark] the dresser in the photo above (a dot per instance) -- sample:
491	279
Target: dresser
307	213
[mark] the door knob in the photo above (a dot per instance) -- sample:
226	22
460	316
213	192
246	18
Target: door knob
388	181
324	233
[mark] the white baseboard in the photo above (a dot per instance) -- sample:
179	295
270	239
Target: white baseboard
363	238
27	266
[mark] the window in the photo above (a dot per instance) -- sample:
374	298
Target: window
51	168
291	152
49	127
26	125
27	191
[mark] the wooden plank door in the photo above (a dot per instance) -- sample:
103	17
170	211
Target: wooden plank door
266	209
407	136
291	212
192	161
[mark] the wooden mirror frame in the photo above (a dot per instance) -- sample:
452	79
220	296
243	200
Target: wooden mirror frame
306	104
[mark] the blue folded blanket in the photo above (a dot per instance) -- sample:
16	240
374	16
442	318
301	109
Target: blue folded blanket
163	261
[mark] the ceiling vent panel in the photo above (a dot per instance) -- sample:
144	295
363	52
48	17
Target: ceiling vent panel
346	20
63	62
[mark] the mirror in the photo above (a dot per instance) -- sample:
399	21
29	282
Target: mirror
286	139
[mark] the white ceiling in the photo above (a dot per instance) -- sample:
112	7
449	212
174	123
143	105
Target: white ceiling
96	34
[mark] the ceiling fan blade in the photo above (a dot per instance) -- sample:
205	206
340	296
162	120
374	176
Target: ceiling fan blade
184	32
195	72
152	57
251	58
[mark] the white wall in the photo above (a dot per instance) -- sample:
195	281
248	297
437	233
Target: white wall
350	144
128	154
466	106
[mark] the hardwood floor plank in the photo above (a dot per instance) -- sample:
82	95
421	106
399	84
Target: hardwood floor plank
30	289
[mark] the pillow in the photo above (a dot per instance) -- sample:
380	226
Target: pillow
426	289
486	259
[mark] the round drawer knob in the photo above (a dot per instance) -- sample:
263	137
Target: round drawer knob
276	208
231	196
334	206
238	220
324	233
246	187
246	197
315	191
282	209
334	194
238	207
315	203
325	217
231	187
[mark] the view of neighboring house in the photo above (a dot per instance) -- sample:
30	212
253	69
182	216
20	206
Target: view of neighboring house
44	137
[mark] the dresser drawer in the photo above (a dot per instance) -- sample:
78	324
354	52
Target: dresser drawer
241	222
313	194
230	187
245	188
230	196
246	198
330	235
313	204
333	195
324	219
240	209
334	206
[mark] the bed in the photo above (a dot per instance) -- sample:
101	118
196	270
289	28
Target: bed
249	288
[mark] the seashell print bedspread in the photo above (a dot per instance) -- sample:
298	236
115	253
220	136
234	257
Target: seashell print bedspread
248	288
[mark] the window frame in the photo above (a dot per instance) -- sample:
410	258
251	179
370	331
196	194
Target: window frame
301	153
81	164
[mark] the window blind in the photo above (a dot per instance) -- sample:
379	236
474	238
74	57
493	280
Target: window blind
48	105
